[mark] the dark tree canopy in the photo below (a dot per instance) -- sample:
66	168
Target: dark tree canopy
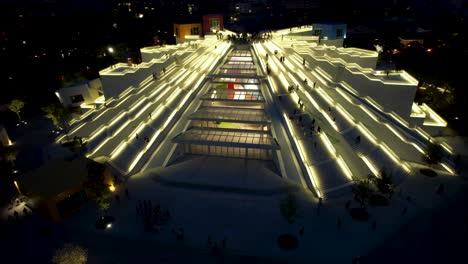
95	186
434	153
362	192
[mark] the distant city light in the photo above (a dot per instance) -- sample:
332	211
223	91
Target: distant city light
140	15
110	49
109	225
429	50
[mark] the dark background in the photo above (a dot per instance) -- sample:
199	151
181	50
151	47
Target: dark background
48	44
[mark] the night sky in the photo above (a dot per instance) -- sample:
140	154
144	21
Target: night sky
85	27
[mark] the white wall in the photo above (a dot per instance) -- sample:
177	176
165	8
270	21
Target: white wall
332	42
115	82
396	98
89	90
364	58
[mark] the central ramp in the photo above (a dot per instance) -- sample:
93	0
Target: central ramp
231	121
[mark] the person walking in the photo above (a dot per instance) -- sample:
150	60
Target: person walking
301	231
223	243
339	223
139	207
214	249
16	214
319	205
440	189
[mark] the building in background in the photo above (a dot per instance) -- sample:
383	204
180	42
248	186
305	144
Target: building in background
183	30
212	23
331	34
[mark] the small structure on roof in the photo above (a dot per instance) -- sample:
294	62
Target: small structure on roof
85	94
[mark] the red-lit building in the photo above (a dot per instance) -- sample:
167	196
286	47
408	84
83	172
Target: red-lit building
212	23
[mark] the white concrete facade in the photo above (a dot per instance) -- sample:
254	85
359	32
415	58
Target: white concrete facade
354	69
344	95
81	94
343	98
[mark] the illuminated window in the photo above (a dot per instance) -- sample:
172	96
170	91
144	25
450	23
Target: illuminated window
77	98
195	31
214	23
339	33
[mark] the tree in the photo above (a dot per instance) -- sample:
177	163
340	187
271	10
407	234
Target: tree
16	106
8	153
383	183
76	145
362	192
7	160
289	208
70	254
58	113
433	154
95	185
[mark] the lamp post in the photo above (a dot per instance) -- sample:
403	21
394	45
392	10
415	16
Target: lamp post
17	187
